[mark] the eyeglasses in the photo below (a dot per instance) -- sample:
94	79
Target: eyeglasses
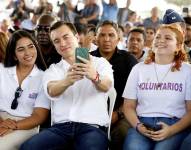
18	93
43	28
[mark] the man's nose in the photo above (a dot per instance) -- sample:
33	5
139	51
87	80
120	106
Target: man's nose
62	42
106	38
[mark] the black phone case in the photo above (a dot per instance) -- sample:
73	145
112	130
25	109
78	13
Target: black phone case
82	52
153	128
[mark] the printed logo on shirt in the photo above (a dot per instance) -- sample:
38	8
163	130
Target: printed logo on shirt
33	95
163	86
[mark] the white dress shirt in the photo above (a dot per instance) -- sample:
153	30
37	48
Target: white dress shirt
81	102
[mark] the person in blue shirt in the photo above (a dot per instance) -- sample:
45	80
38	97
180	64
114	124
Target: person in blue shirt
110	11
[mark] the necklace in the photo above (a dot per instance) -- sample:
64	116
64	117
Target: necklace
21	75
159	84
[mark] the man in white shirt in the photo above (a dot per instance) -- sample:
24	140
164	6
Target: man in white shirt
78	92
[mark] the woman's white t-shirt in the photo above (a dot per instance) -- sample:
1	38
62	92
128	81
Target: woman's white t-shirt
168	100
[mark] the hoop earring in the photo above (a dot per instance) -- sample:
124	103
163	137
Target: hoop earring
176	53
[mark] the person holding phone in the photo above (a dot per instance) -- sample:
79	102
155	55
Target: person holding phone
157	95
78	93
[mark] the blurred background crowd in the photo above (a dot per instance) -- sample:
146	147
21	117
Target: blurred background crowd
86	14
129	25
131	12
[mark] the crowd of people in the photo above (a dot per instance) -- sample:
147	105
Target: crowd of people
53	99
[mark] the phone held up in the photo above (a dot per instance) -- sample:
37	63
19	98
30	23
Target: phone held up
82	52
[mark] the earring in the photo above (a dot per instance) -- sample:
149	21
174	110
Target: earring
176	53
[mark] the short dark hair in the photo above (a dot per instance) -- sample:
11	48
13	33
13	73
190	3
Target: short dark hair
141	31
121	27
108	22
187	20
62	23
11	47
150	28
81	28
46	19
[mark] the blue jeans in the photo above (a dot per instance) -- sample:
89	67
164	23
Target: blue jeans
67	136
186	143
136	141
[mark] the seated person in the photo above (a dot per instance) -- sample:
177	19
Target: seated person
79	93
23	105
158	96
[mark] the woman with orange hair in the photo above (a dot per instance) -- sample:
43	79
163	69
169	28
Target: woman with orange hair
157	95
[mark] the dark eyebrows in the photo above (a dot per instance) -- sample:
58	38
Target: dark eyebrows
109	33
20	47
63	36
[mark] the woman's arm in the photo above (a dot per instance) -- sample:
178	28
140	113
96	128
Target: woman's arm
131	115
184	122
38	116
130	111
168	131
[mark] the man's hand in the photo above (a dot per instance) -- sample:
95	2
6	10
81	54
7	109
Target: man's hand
85	68
72	76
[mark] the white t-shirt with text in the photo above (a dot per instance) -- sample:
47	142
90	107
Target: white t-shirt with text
168	100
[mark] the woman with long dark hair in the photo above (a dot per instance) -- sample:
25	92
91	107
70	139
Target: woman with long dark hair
23	105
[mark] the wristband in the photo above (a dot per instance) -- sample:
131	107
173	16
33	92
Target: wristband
136	128
97	79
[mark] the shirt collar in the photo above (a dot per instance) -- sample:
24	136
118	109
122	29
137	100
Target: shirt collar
114	54
12	71
64	63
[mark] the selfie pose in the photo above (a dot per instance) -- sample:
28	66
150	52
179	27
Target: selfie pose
78	91
23	104
158	104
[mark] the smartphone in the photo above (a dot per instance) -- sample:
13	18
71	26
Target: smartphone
82	52
152	128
